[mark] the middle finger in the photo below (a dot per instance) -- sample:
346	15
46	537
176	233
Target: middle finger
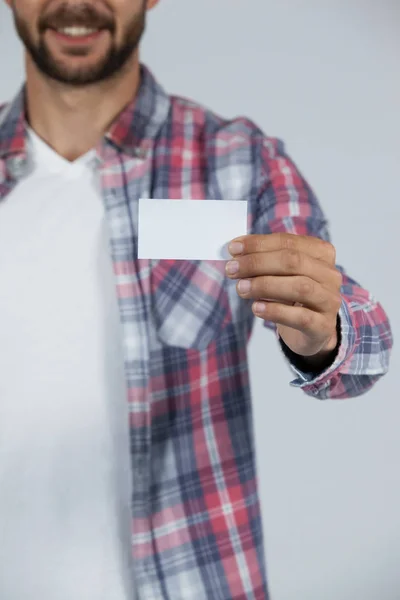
280	262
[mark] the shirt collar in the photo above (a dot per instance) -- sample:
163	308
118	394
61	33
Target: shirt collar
137	126
13	127
133	132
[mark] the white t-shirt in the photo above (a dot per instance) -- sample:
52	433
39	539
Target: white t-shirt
65	482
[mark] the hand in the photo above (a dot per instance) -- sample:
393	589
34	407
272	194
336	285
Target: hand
295	284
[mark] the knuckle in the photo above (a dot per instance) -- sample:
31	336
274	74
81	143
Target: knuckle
304	288
306	319
338	303
338	278
330	251
288	241
291	260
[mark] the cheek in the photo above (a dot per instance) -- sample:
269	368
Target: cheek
26	11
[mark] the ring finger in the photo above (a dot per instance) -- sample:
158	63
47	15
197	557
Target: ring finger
288	290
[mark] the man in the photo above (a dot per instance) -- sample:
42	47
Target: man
124	393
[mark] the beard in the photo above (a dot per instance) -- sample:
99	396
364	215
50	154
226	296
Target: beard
84	15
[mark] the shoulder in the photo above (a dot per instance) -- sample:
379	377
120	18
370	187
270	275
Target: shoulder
224	135
235	157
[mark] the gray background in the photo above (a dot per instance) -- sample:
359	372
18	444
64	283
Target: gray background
324	76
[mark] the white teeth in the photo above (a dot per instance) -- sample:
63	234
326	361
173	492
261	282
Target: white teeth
77	31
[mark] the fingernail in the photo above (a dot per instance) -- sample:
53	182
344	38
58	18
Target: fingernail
244	286
236	248
259	307
232	267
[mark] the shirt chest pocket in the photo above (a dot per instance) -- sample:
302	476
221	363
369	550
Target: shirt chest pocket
190	302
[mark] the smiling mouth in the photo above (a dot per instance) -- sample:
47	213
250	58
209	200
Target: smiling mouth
77	31
77	34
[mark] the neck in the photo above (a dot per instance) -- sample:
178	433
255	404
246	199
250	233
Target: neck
72	120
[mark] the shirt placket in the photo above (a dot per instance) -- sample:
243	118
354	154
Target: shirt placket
125	179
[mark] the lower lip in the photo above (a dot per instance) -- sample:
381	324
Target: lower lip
79	40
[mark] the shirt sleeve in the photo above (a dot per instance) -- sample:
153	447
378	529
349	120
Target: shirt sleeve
284	202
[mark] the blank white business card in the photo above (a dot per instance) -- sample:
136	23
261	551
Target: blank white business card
189	229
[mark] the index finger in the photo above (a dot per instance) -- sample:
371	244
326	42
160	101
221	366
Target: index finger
312	246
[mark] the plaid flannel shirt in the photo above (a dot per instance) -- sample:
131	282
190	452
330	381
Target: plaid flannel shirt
196	524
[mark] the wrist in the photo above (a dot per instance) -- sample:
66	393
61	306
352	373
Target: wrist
320	362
